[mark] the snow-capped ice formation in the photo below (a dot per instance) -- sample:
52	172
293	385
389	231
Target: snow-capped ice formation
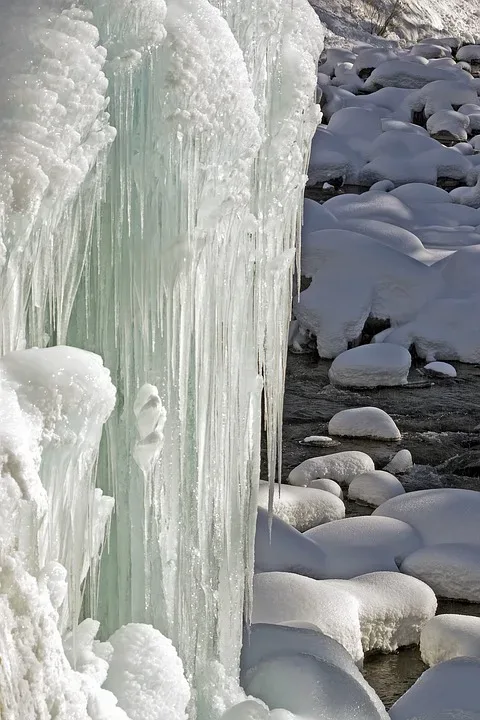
448	691
360	545
370	422
341	467
371	366
451	569
374	488
134	248
302	507
448	636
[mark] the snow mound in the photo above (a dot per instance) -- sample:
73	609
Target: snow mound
302	507
400	463
450	690
370	422
452	570
449	122
341	467
376	365
360	545
449	636
320	441
280	597
374	488
328	485
146	674
312	688
469	53
404	74
284	549
441	368
444	515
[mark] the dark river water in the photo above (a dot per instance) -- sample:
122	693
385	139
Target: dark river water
438	420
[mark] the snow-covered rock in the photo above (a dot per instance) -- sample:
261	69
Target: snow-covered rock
448	691
359	545
451	569
341	467
449	122
374	488
319	441
282	548
469	53
376	365
302	507
328	485
311	688
369	422
404	74
441	368
400	463
444	515
449	636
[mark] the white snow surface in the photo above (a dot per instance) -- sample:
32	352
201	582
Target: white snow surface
441	368
341	467
302	507
440	516
146	674
377	365
452	570
374	488
328	485
369	422
447	691
448	636
360	545
378	611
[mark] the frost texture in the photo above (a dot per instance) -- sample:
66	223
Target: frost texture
169	252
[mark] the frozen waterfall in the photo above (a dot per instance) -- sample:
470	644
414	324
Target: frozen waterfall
153	158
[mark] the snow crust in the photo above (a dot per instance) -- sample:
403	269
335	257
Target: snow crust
449	636
369	422
451	569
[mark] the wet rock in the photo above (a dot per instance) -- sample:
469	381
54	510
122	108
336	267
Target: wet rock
466	464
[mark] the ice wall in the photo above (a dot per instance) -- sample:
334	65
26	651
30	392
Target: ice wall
168	251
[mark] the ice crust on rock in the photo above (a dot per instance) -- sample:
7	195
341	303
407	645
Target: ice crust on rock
374	488
452	570
447	691
302	507
370	422
341	467
359	545
377	365
445	637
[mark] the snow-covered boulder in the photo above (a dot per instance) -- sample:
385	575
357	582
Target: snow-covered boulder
359	545
449	123
369	422
469	53
302	507
404	74
319	441
444	515
400	463
264	642
312	688
448	691
441	368
374	488
341	467
282	548
376	365
280	597
328	485
449	636
451	569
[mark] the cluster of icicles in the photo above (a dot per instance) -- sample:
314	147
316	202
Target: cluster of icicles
153	157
